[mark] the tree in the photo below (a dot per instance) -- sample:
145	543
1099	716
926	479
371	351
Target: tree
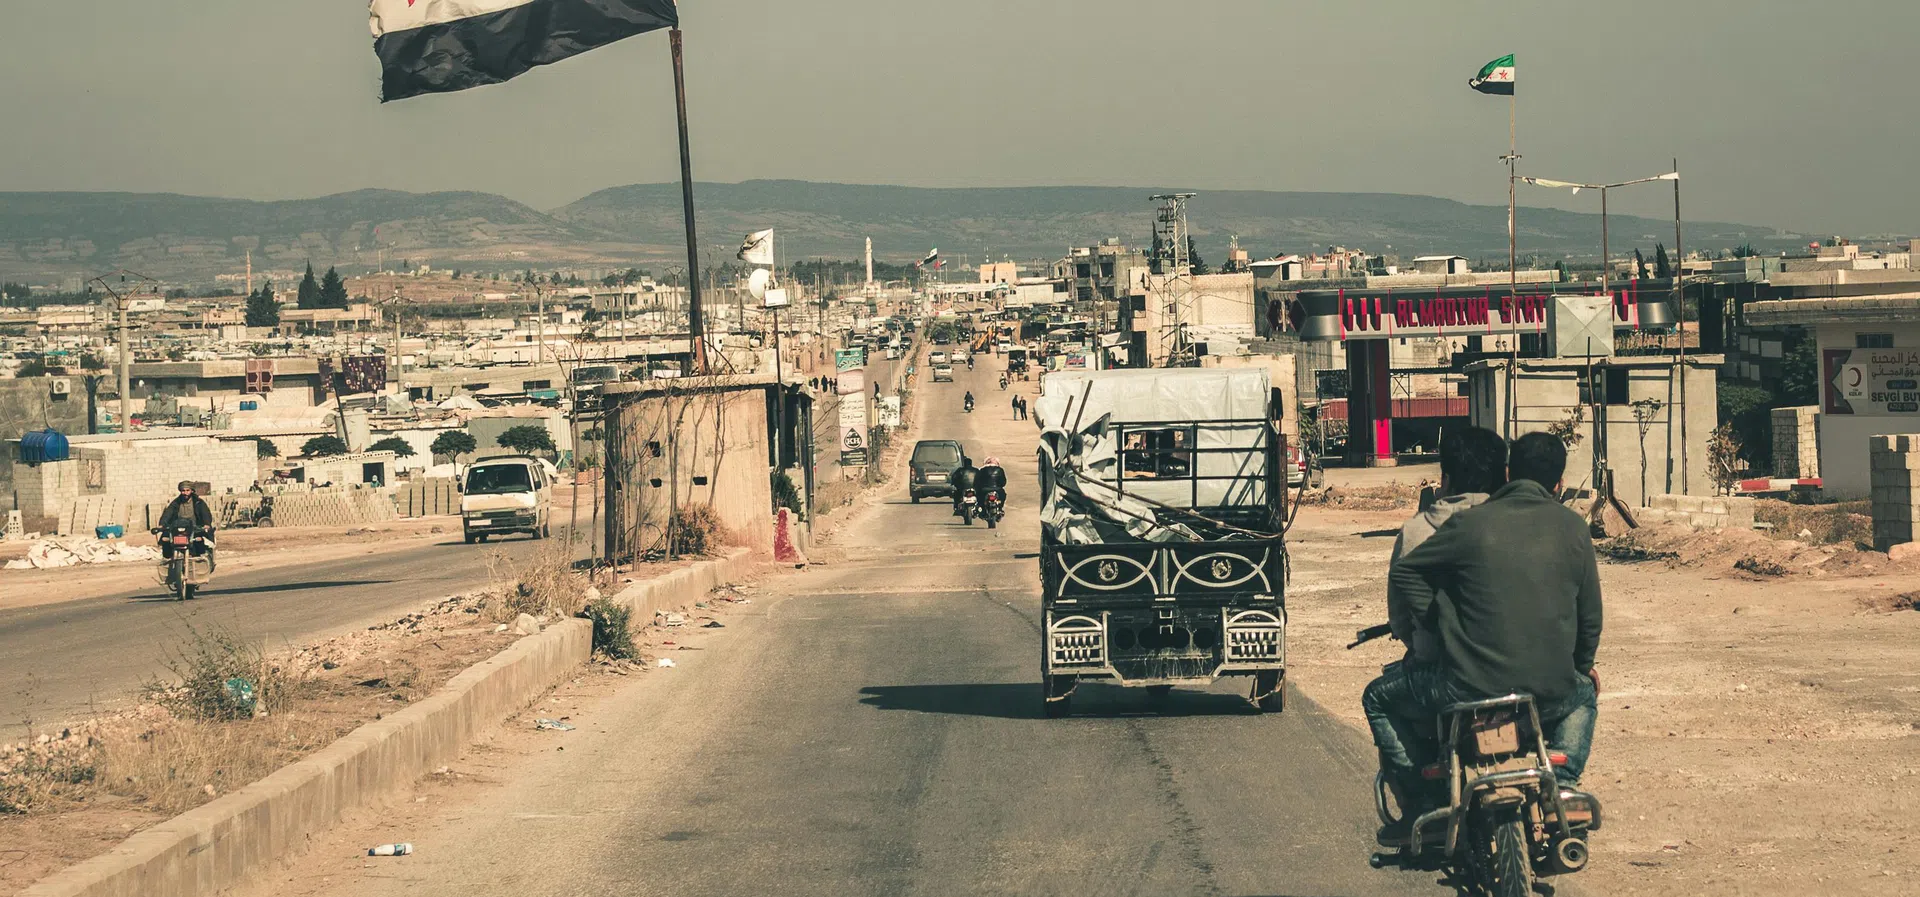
1639	264
333	290
321	446
452	444
309	294
32	367
266	448
526	439
263	310
395	445
456	274
1800	373
1195	263
1661	267
15	293
1560	270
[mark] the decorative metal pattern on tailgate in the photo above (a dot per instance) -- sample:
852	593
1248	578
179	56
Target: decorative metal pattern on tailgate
1255	635
1077	641
1111	573
1220	570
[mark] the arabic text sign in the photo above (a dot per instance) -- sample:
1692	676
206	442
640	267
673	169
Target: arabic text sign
1872	381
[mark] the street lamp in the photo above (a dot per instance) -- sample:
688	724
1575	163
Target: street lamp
1606	257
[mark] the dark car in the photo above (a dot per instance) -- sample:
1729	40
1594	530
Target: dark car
933	460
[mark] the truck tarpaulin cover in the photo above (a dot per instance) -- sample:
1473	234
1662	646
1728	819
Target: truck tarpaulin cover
1119	447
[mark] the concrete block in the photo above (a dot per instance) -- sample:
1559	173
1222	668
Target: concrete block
1703	521
1740	513
1692	504
1879	444
1665	502
1901	551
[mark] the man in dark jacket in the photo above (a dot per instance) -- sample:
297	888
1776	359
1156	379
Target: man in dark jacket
961	479
1512	589
190	509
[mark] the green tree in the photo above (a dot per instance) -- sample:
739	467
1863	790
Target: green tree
263	310
1195	263
395	445
1639	265
1800	373
309	293
32	367
456	274
1748	411
526	439
15	293
453	444
1661	267
333	290
321	446
266	448
1745	251
1560	269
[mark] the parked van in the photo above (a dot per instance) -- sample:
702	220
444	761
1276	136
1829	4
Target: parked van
509	494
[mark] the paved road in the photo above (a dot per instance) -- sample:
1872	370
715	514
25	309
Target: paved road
874	727
58	660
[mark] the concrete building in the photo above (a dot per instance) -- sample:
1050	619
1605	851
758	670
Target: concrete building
486	426
1441	264
37	403
1100	273
1867	340
113	480
1629	409
999	272
1213	309
292	379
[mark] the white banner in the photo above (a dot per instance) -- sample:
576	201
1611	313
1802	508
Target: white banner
757	248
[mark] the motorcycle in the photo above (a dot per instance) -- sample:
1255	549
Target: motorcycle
969	506
968	405
993	508
186	566
1003	382
1507	820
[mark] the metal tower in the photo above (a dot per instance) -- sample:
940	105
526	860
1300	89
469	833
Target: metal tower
1170	226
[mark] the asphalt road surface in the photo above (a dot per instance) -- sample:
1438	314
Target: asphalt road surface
874	726
59	661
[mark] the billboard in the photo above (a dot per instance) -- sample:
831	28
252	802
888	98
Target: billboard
852	389
1871	381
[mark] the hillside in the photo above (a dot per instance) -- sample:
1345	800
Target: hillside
1042	222
46	235
171	235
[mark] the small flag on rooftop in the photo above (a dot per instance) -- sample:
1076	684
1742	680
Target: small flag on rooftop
757	248
436	46
1495	78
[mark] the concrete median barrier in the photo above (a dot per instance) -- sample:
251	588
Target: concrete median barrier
218	845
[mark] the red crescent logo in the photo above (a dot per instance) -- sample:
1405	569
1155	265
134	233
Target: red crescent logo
1856	378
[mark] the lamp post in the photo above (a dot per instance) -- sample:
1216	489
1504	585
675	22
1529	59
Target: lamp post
1606	258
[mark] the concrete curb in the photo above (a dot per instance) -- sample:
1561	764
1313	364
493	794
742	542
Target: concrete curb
217	846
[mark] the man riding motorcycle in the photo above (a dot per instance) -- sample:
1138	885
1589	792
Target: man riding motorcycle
1512	590
992	478
963	478
190	509
968	402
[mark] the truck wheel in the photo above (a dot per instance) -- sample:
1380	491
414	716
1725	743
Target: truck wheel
916	497
469	537
1271	691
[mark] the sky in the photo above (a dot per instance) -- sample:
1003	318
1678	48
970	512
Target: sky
1781	112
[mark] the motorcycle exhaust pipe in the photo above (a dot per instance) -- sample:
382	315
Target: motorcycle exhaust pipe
1570	855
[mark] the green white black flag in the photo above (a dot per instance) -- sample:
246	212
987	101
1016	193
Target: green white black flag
1495	78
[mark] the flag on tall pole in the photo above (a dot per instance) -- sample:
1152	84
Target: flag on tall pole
933	258
1495	77
437	46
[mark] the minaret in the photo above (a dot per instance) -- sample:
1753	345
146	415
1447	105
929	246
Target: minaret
869	262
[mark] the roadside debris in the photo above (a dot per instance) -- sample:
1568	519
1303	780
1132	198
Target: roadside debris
391	850
1760	566
665	662
526	624
671	620
552	724
714	624
48	554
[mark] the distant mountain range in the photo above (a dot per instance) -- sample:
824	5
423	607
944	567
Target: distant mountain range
45	235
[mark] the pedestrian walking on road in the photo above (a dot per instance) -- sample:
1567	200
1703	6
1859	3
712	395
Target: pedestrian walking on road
1015	404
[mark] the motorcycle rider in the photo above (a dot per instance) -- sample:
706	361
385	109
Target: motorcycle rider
1473	463
964	477
191	509
1512	589
992	478
969	400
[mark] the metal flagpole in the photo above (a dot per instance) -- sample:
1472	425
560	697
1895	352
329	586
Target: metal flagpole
1680	301
696	329
1513	256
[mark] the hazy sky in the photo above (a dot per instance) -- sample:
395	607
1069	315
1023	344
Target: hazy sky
1782	112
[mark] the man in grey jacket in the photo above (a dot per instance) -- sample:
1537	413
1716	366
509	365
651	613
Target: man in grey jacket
1473	463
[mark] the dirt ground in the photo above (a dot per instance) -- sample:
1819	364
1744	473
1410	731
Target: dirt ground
1757	732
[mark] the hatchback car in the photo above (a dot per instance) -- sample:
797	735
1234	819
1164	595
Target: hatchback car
933	461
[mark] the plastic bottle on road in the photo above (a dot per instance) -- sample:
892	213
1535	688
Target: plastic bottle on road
391	850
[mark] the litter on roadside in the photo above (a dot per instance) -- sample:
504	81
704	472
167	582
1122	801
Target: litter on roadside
676	619
48	554
553	724
391	850
665	662
714	624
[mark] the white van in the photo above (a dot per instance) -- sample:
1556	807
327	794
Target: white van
510	494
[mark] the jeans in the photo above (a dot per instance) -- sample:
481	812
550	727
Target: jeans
1402	703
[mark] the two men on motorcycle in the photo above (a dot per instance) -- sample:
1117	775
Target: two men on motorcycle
1496	594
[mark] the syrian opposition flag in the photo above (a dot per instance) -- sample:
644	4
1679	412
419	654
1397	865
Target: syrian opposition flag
436	46
757	248
1495	78
933	258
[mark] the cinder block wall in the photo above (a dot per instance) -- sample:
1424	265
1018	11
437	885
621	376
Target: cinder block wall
1894	474
1796	442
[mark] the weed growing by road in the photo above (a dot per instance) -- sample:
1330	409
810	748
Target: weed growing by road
697	530
612	635
543	585
217	676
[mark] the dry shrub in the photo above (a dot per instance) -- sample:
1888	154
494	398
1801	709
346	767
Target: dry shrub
612	629
543	585
171	767
1838	523
697	530
219	677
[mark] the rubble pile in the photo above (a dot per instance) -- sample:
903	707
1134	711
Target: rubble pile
47	554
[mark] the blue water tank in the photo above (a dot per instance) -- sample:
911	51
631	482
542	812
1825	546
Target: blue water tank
249	405
43	446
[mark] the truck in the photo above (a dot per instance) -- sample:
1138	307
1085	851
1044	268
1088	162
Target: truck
1163	556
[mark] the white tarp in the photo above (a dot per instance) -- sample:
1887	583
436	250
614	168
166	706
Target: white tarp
1084	416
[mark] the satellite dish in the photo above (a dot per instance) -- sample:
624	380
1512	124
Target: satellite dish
758	281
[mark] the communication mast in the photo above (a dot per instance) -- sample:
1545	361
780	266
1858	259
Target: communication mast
1170	227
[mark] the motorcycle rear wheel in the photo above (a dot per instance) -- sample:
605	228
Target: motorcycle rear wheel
1509	870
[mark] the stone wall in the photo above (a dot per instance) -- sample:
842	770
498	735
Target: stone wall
29	403
1796	442
127	483
1894	475
1699	512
